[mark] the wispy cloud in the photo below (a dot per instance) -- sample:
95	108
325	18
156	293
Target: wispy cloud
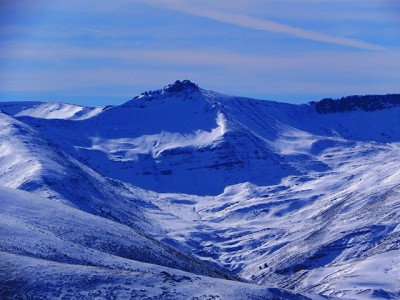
263	25
345	61
267	71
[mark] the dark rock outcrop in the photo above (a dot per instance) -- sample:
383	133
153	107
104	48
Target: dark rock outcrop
352	103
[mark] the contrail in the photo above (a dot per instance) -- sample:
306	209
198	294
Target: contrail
265	25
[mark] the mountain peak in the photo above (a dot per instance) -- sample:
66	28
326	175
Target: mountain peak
185	86
179	86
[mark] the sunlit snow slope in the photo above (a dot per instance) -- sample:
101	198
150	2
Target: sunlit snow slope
301	197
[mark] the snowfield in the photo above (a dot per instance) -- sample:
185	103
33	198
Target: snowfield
184	193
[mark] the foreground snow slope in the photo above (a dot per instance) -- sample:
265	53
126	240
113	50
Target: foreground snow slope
50	250
301	197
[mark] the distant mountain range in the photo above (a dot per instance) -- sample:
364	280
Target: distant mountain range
184	193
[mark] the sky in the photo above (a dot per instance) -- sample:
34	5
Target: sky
100	52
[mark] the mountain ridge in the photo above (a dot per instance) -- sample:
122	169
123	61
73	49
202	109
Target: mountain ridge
352	103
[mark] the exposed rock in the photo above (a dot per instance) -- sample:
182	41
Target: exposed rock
351	103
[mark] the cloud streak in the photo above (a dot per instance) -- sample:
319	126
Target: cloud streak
319	66
343	63
263	25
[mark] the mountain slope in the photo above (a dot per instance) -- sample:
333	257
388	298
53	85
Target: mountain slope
51	250
34	165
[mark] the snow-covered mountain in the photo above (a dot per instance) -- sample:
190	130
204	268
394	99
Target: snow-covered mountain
297	197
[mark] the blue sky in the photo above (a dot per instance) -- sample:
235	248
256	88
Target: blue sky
98	52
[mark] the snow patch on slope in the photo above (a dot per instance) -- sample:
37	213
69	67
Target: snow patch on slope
126	149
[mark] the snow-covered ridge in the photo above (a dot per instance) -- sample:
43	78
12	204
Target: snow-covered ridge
49	110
